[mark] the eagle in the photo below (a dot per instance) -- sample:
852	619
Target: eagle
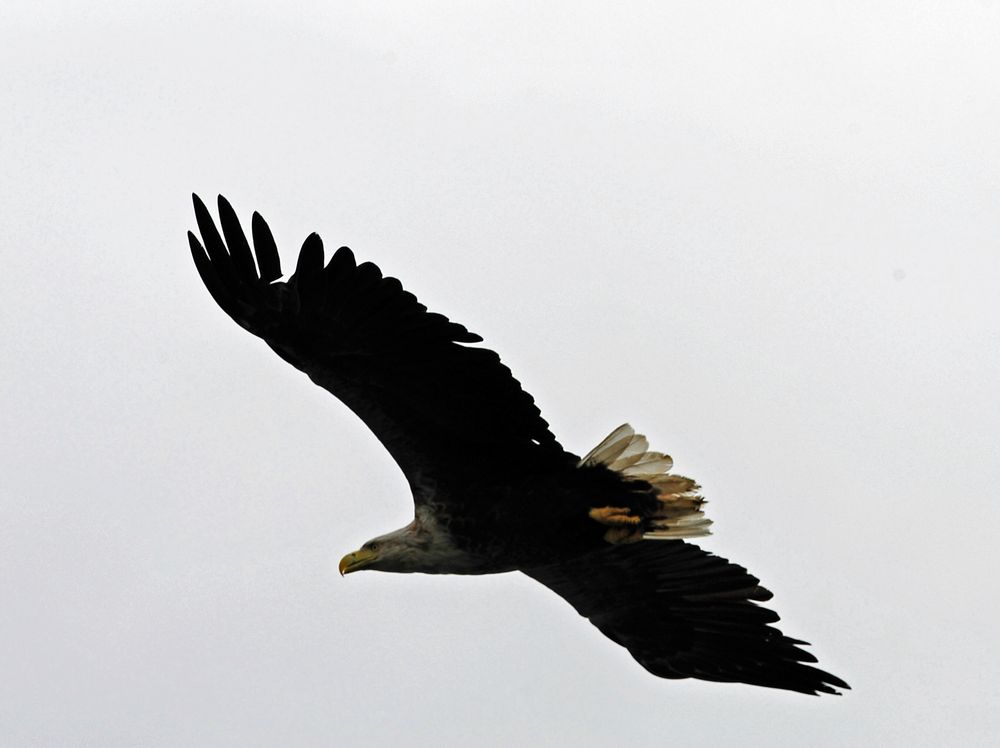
493	491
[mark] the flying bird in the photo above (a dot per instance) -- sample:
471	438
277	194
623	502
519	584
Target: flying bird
493	490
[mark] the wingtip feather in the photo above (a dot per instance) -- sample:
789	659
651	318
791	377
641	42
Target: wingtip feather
311	254
268	261
308	271
236	241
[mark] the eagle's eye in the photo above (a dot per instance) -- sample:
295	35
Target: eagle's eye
373	546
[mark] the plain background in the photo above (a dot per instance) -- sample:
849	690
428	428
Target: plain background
766	234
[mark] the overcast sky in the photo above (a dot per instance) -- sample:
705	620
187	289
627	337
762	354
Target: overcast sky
766	234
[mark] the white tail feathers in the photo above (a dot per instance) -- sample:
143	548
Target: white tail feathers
679	514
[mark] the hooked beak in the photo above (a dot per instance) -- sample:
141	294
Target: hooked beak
357	560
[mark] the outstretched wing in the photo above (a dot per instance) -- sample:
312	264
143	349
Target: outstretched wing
428	397
683	613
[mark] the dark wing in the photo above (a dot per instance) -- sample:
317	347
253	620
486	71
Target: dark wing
683	613
430	399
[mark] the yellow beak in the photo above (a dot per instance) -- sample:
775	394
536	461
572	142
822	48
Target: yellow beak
357	560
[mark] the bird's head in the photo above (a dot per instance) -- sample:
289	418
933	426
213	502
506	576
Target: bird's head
400	551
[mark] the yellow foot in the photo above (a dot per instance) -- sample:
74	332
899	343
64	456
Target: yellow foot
614	516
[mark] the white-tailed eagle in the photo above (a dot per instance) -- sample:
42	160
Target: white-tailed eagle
493	490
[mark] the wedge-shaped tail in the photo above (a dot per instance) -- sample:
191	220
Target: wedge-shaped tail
679	514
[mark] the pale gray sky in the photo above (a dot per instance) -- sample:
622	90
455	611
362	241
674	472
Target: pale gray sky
767	234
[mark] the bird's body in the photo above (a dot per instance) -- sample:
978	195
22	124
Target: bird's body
493	490
530	519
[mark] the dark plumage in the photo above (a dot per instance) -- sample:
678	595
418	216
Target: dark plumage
493	490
